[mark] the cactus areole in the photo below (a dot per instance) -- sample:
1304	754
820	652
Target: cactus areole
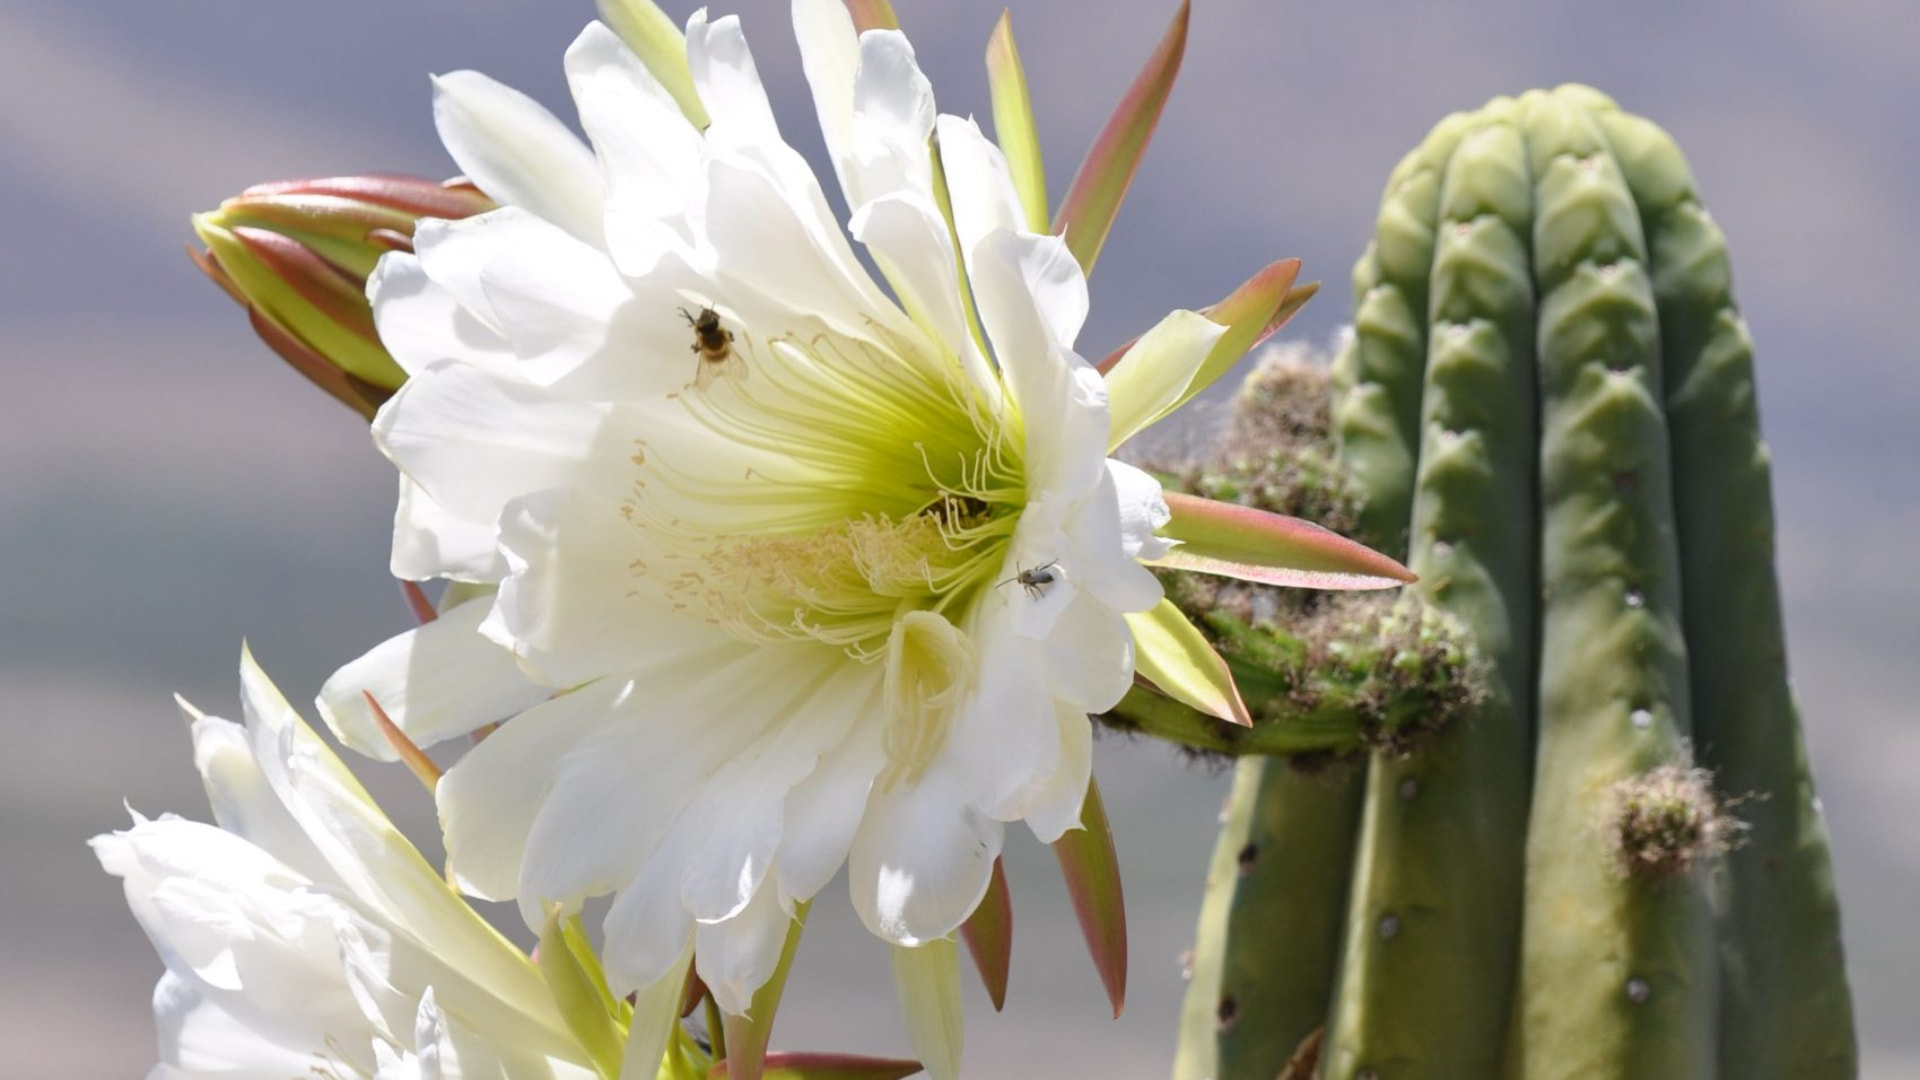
1614	865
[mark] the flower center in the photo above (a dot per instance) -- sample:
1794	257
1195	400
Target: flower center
834	487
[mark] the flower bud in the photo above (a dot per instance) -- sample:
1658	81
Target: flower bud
296	254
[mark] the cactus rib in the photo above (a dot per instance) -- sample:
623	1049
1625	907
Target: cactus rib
1785	1008
1432	927
1617	973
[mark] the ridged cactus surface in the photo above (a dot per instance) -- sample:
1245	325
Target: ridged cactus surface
1613	866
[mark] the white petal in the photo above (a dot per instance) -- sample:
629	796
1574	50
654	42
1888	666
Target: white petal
243	802
370	858
1052	296
830	55
927	982
429	542
728	834
1150	379
1107	531
559	301
1005	743
454	252
422	323
1089	656
737	956
649	154
763	241
922	859
701	831
618	791
573	609
436	681
1056	808
728	83
647	930
489	798
1143	511
517	152
893	118
475	441
200	1038
823	812
979	184
910	243
1061	398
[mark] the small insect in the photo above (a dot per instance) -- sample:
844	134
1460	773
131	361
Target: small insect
1036	580
713	343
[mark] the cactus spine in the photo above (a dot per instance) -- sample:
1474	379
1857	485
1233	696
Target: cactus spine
1548	403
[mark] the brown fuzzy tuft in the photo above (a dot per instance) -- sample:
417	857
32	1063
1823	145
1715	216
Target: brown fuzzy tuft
1667	821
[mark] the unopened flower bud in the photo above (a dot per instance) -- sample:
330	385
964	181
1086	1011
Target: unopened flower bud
296	254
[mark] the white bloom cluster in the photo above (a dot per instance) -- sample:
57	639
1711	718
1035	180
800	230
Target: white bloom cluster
305	937
778	572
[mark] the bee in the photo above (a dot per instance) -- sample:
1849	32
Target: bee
713	343
1036	580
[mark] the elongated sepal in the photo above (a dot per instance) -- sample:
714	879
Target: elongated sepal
418	602
355	393
1271	549
1092	870
1173	655
1155	372
809	1065
661	47
1013	126
413	196
580	990
926	978
988	933
1101	185
747	1036
873	15
658	1048
415	759
692	994
1270	291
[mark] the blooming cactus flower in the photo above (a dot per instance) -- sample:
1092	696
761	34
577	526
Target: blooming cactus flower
777	570
304	936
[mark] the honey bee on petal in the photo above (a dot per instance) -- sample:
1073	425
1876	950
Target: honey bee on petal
713	344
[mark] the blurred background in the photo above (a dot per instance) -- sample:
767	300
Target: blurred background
167	487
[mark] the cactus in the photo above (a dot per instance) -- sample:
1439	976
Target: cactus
1612	865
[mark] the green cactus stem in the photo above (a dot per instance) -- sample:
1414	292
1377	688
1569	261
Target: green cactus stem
1617	974
1433	924
1548	403
1785	1010
1242	1017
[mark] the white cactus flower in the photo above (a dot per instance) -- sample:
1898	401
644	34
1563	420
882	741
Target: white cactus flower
780	570
304	936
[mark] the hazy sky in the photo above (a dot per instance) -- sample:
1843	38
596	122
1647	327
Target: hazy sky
166	488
